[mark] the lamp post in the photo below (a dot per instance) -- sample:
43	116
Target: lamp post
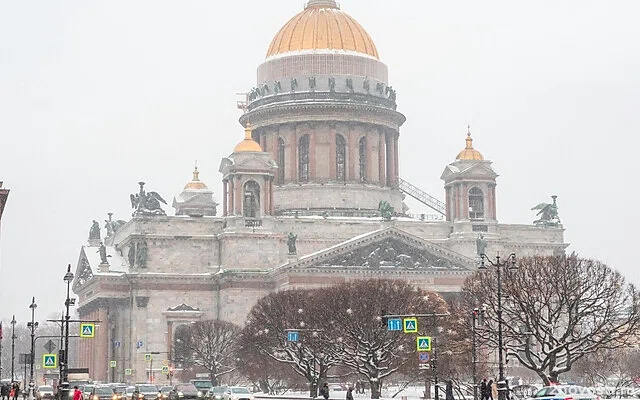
477	316
32	325
13	348
509	263
68	278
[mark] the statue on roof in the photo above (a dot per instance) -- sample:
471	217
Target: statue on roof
386	210
548	213
291	243
481	245
147	203
141	255
94	232
103	254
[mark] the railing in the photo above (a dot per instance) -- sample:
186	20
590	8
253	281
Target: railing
252	222
422	196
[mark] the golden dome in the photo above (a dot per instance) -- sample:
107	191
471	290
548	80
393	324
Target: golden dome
322	26
469	153
248	144
195	183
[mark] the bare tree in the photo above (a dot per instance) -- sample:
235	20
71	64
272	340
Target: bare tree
209	344
363	342
610	367
557	310
277	314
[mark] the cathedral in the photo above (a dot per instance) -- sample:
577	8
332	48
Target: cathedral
311	196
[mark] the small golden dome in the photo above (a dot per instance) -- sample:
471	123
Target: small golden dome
195	183
322	26
248	144
469	153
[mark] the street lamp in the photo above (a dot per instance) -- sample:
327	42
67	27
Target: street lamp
13	348
32	325
477	316
509	263
68	278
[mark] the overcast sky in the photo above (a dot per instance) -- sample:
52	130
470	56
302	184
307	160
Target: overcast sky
97	95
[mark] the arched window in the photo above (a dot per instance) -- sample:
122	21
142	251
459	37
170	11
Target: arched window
362	150
476	203
281	166
303	159
182	345
251	204
341	158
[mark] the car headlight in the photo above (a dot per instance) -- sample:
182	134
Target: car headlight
199	393
180	394
140	396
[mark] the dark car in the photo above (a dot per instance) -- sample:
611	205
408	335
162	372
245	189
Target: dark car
101	393
145	391
163	392
184	391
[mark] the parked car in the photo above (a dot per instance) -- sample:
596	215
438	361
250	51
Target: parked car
185	391
44	392
86	391
102	392
566	392
216	392
237	393
128	392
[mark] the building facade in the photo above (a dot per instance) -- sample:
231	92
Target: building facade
302	203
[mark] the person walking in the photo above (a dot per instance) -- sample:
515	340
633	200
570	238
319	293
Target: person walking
494	391
77	393
489	389
324	392
4	391
349	393
449	390
484	393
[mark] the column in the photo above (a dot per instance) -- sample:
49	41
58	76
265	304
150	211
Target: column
238	196
396	169
382	176
369	155
312	157
225	198
293	144
272	209
333	174
232	196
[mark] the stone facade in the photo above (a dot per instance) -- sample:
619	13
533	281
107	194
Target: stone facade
320	153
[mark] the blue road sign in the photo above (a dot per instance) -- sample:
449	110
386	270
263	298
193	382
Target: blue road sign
116	343
293	336
139	344
394	324
423	357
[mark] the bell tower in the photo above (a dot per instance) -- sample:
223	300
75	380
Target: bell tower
247	181
470	189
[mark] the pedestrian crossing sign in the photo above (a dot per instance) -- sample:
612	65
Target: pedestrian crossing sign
165	369
128	371
112	363
87	330
423	343
147	357
410	325
50	360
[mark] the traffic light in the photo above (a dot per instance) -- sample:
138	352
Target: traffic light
171	369
383	319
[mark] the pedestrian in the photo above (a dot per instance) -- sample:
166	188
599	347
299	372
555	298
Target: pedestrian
4	391
349	393
358	386
324	392
489	389
484	393
494	390
449	390
16	391
77	393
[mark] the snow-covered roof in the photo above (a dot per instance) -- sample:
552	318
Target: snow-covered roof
117	263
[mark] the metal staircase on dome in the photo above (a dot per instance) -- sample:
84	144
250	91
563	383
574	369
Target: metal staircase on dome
422	196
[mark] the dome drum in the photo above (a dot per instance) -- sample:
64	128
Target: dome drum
322	63
331	89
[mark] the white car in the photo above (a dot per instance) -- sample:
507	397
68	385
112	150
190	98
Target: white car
237	393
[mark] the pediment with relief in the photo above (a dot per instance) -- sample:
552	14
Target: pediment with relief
84	273
388	249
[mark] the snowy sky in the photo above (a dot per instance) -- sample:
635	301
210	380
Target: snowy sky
97	95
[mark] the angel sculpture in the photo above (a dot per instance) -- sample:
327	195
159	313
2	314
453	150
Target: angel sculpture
548	213
147	203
